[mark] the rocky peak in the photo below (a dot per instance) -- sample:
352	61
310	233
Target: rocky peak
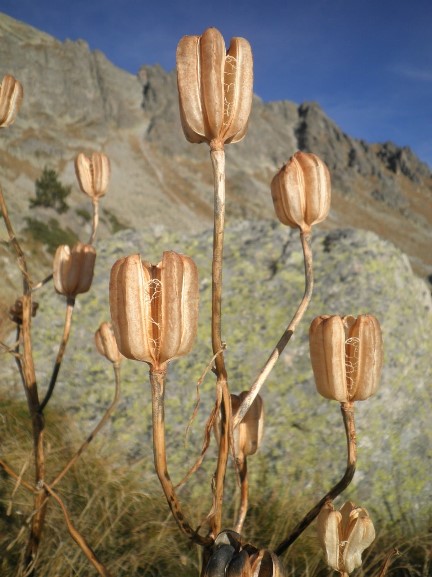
75	100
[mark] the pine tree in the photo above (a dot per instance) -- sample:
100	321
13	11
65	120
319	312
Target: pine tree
50	192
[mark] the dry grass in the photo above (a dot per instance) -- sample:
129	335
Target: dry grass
124	517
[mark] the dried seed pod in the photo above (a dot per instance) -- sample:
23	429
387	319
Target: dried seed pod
347	356
301	191
248	434
11	95
154	308
93	173
106	343
344	535
265	563
239	566
16	311
219	560
215	87
73	269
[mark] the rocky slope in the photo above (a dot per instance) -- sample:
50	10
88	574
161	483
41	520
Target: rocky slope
77	100
304	443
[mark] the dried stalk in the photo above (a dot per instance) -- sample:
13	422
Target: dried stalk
218	162
78	538
95	222
30	386
347	410
157	380
95	431
289	331
17	354
244	495
18	477
387	562
70	303
22	263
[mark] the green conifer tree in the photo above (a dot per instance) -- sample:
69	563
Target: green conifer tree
50	192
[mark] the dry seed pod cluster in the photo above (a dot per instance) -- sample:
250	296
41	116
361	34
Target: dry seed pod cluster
73	269
232	557
215	87
93	174
301	191
11	95
344	535
154	308
347	356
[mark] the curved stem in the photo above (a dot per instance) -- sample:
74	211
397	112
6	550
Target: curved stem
157	380
66	332
22	263
28	375
215	516
218	162
95	431
16	476
95	220
17	354
244	496
289	331
43	282
347	410
387	561
78	538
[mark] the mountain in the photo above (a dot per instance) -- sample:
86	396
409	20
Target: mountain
76	100
161	192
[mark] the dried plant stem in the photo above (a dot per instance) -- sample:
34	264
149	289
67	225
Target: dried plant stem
30	386
95	220
215	516
43	282
38	426
157	380
244	495
347	410
217	155
95	431
289	331
14	241
387	561
70	303
18	477
78	538
17	354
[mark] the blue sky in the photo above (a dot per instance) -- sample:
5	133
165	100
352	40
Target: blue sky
368	63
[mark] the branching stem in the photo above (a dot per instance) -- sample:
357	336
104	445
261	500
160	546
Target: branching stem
289	331
66	332
95	431
95	221
244	495
18	477
347	410
217	155
28	374
78	538
157	380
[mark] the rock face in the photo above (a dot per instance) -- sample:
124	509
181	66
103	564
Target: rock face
76	100
355	272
